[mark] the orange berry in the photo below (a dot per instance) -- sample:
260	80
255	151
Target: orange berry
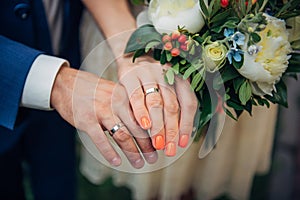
182	38
166	38
168	46
175	52
184	47
175	35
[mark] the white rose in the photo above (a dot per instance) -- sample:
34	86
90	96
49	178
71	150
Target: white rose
265	68
167	15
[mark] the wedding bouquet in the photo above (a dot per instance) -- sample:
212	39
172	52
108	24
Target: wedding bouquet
235	53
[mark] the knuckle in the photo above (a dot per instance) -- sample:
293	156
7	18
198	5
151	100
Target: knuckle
136	97
172	134
154	102
122	136
191	105
186	128
172	107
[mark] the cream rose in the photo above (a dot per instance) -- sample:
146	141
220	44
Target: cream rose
167	15
214	56
265	68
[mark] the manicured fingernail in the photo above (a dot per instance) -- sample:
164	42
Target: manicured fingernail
145	123
159	142
183	141
151	157
116	161
170	149
139	163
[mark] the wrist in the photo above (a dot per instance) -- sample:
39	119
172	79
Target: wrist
63	83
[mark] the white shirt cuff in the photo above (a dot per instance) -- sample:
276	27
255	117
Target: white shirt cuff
39	82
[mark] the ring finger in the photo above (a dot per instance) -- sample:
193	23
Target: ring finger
154	105
123	138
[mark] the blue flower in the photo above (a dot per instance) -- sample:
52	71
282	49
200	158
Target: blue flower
228	32
238	38
235	54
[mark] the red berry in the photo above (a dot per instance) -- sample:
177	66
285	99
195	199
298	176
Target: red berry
224	3
182	38
168	46
175	35
175	52
166	38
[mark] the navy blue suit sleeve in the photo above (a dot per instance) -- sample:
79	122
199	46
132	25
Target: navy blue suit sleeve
15	62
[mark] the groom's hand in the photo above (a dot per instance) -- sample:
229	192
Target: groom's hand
92	104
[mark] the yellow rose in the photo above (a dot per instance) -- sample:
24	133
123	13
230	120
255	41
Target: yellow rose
214	56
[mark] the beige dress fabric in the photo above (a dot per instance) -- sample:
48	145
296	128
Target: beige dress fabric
243	150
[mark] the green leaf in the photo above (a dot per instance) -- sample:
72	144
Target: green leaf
190	70
150	45
226	75
230	23
157	54
183	61
294	64
227	111
279	97
141	37
168	56
208	107
203	7
170	76
138	2
137	54
176	68
163	58
237	83
255	37
238	65
221	16
196	80
235	105
245	92
210	7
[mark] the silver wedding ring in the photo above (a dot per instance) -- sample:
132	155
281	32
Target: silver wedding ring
151	90
115	128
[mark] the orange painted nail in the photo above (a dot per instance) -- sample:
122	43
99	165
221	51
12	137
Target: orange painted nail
170	149
145	123
183	141
159	142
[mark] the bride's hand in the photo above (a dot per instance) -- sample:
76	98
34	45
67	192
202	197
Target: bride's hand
92	104
167	110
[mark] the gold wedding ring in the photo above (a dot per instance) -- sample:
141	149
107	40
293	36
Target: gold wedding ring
151	90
